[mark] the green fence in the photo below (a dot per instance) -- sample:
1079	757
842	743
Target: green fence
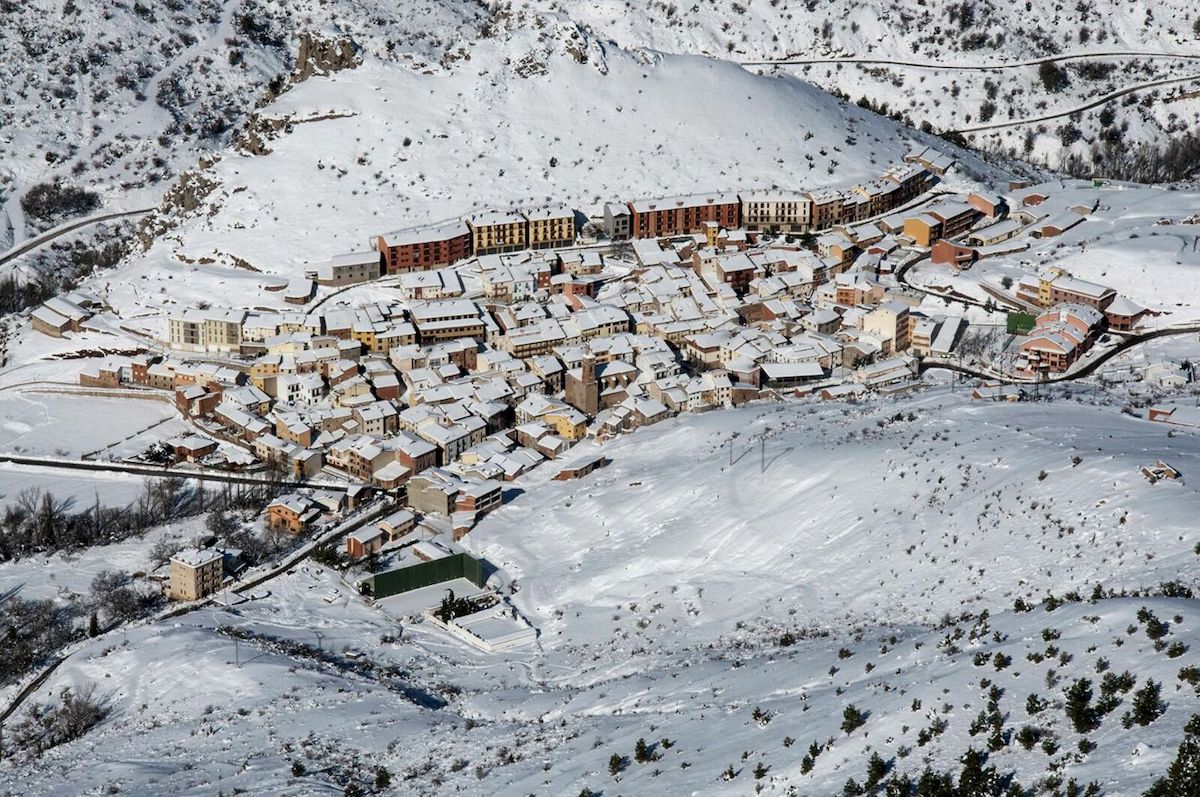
448	568
1020	323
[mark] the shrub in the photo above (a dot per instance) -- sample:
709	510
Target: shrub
48	202
1054	78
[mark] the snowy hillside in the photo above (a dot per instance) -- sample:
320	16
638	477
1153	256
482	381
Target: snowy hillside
719	623
527	121
117	99
906	42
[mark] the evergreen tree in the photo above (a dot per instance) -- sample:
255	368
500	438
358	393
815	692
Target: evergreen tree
616	763
976	779
1183	776
93	626
383	778
1079	708
935	784
877	768
852	719
642	752
1147	705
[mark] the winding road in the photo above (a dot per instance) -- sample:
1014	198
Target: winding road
1101	100
1085	370
50	235
354	521
151	471
997	67
993	67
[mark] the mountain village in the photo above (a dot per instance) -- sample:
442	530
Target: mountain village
510	337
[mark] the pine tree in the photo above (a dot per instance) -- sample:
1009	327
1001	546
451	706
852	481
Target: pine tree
383	778
642	752
1183	776
93	626
976	778
877	768
852	719
1079	709
616	763
1147	705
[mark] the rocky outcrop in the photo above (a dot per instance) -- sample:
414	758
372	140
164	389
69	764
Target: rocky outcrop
320	56
188	195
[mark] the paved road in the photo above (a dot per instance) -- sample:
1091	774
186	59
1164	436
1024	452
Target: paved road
990	67
1084	371
50	235
1101	100
159	473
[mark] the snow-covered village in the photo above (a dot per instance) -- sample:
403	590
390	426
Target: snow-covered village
540	398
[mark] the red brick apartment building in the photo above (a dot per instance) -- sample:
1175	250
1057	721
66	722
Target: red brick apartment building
682	215
424	248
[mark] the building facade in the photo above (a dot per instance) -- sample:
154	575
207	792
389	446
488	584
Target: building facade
195	573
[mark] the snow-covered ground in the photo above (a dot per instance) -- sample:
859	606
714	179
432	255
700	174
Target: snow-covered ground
662	587
915	52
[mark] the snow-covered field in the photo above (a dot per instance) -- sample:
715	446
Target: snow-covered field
662	587
65	425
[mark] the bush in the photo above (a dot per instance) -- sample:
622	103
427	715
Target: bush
49	202
44	727
1054	78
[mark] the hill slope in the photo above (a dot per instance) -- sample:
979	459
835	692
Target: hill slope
718	591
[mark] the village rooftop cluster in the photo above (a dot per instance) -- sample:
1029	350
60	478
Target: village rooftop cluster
508	342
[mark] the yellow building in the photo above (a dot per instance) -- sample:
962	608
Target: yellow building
195	573
550	227
497	231
778	211
923	229
207	330
889	321
569	424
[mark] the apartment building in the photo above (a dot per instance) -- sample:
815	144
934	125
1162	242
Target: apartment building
828	208
347	269
496	231
889	321
682	215
195	573
550	227
777	211
206	330
424	248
